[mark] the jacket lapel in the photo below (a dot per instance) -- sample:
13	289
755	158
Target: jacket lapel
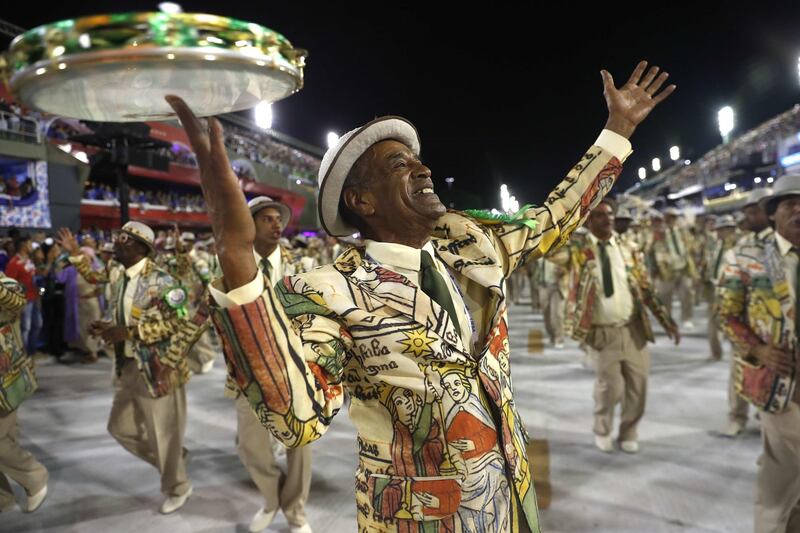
774	266
378	286
470	253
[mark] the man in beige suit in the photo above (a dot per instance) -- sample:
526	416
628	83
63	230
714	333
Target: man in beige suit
255	445
147	326
609	294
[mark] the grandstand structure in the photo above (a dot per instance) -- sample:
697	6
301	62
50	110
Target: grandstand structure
56	171
721	179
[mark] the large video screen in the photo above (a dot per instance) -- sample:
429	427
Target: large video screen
24	193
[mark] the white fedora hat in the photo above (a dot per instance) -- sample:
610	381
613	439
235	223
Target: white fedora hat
788	185
260	202
340	158
623	213
756	195
725	221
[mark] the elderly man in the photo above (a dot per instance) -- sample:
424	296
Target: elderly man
425	297
256	446
609	294
146	323
17	382
757	298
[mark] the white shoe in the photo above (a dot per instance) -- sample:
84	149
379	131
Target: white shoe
559	346
732	430
305	528
605	444
262	520
207	366
688	326
629	446
173	503
35	500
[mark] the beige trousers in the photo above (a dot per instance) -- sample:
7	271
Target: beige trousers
622	361
553	312
151	428
714	330
778	485
17	463
682	285
288	491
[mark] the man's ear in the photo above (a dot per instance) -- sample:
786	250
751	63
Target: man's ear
359	201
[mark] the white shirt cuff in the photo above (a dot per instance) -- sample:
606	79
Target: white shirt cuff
615	144
245	294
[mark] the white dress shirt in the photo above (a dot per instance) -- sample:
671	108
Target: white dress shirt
133	273
618	308
405	260
247	293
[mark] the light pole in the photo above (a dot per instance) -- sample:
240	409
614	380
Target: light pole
725	117
449	181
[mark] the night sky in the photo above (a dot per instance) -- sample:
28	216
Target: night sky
511	95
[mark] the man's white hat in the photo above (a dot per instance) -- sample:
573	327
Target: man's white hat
340	158
260	202
142	232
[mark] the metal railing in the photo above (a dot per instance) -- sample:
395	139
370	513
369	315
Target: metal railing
16	128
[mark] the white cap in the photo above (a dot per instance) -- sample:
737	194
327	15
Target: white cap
141	232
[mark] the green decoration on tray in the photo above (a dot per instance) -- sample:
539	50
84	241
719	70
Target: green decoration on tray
487	217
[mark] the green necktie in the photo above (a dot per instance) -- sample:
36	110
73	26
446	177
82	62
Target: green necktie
266	268
715	274
605	264
674	241
432	283
119	347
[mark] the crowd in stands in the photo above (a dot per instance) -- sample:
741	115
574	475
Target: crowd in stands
173	201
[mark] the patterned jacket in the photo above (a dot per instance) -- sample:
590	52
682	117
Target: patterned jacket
755	307
17	376
161	332
663	260
559	263
441	444
291	265
584	289
192	272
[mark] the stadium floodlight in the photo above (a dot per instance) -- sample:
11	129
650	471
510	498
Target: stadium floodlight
642	173
656	164
725	117
674	153
263	115
170	8
333	138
